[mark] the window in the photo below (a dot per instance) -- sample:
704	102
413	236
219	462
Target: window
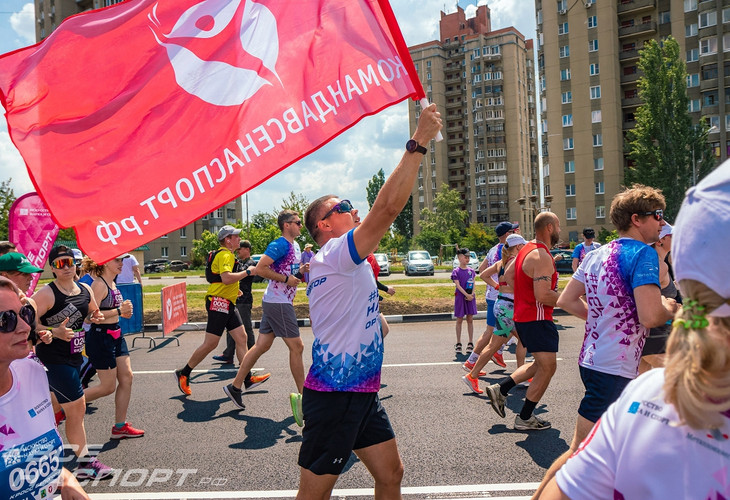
570	166
567	97
183	232
599	188
727	122
592	45
592	22
163	236
726	42
163	252
693	105
710	98
715	147
690	30
562	28
546	170
596	116
708	46
693	55
570	190
564	51
726	15
564	74
598	163
708	18
593	69
600	212
570	213
597	140
714	122
562	5
428	64
567	143
183	251
690	5
665	17
596	92
230	214
219	213
568	120
709	71
428	76
693	80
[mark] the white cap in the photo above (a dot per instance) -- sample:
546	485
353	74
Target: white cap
666	230
515	239
699	234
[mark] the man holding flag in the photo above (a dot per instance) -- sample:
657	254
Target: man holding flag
342	412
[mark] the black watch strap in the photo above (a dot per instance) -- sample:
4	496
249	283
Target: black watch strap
413	147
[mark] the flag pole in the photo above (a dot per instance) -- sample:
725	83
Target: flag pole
405	55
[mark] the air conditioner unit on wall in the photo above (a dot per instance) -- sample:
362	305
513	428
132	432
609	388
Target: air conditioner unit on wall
562	12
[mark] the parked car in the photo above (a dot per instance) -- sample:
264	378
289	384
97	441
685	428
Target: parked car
384	263
418	262
178	265
564	265
473	261
156	265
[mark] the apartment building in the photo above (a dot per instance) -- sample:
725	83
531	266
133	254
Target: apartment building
483	84
588	52
179	244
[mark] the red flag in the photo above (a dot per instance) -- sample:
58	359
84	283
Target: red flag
137	119
32	230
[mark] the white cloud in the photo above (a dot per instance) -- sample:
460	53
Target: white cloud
23	23
12	165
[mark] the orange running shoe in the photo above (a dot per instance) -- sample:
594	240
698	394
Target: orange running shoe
472	383
182	382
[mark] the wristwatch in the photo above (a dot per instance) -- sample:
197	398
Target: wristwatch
413	147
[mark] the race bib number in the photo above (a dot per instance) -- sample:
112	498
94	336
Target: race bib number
32	470
294	268
219	304
77	342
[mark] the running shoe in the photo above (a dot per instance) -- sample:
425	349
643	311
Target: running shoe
470	366
497	358
235	395
224	360
496	399
295	399
469	348
255	381
472	383
457	348
182	382
512	341
93	469
534	423
60	417
126	431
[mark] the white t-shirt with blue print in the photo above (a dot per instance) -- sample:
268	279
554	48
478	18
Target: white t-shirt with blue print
614	337
347	353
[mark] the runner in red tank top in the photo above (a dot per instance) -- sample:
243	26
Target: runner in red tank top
535	297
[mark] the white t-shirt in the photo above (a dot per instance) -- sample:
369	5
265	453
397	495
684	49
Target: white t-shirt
347	353
637	452
494	254
286	257
614	337
127	274
31	450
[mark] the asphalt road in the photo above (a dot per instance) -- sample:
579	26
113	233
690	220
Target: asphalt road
452	443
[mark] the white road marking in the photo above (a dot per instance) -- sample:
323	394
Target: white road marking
235	370
482	492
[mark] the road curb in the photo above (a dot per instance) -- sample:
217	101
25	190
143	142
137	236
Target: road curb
304	322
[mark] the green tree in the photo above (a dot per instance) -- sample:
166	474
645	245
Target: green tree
431	239
66	234
403	224
299	204
478	238
447	217
262	219
7	197
208	242
604	235
662	143
373	187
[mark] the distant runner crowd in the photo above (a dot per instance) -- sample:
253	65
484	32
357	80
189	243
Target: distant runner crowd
654	422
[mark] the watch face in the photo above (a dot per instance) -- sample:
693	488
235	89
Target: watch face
411	146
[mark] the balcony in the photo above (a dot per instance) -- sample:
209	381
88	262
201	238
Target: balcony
631	102
628	55
632	78
456	177
635	6
639	29
456	154
452	92
456	103
710	83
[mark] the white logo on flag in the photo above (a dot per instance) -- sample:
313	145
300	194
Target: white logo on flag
218	82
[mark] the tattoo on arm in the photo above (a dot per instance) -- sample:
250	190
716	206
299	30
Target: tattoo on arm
542	278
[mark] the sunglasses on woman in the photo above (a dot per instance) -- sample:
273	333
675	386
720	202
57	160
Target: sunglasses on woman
9	319
658	213
63	262
342	207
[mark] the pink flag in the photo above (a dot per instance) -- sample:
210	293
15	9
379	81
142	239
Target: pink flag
32	230
135	120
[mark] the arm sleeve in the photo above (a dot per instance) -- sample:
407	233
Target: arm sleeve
576	251
646	270
381	286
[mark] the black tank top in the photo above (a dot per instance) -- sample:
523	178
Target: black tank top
75	307
113	298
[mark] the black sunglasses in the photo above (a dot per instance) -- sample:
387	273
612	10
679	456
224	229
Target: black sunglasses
9	319
342	207
658	213
297	222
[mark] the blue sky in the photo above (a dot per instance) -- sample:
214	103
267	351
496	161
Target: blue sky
355	156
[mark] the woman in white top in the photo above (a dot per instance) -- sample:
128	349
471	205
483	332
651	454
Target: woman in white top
668	434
